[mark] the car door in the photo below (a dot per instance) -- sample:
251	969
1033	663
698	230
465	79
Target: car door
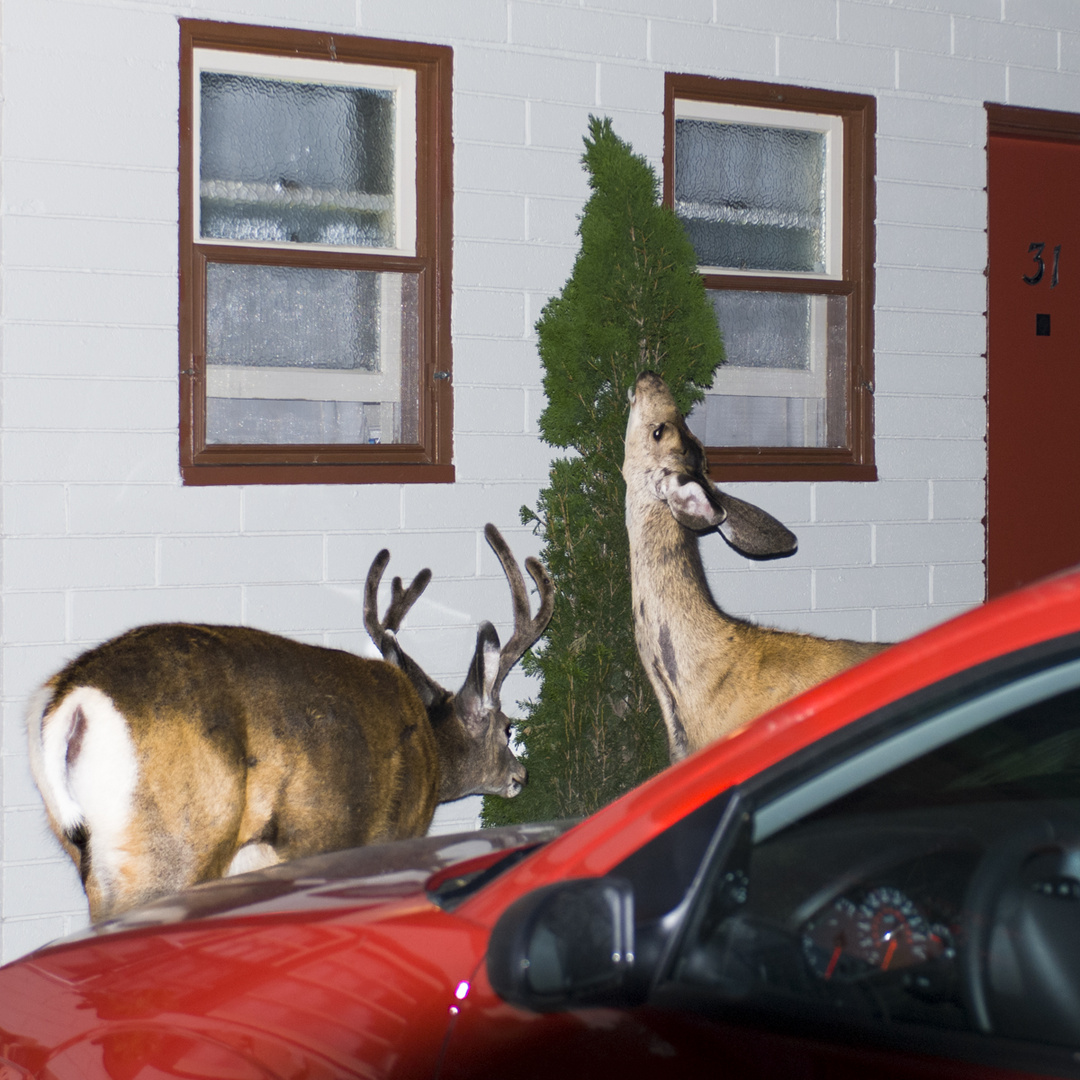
899	900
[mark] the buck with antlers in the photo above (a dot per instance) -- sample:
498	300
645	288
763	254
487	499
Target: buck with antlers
711	673
177	753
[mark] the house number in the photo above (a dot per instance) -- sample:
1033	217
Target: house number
1035	250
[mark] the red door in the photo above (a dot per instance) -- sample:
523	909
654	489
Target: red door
1033	479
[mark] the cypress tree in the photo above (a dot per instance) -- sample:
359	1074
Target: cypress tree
634	301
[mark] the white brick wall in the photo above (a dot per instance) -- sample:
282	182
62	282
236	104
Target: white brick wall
98	534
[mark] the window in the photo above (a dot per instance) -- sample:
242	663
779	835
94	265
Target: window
775	187
920	894
315	236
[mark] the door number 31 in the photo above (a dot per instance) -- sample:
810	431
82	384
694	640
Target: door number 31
1035	250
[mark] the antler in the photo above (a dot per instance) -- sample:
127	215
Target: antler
527	628
401	600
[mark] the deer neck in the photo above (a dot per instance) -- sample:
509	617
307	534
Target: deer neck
667	576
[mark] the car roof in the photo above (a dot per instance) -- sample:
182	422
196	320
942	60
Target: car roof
1038	613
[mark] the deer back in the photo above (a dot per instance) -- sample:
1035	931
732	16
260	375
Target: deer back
175	753
711	673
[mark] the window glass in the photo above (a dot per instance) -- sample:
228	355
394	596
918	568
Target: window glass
937	887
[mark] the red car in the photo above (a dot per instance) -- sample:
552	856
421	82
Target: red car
880	878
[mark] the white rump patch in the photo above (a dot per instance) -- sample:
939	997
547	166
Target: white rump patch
252	857
96	787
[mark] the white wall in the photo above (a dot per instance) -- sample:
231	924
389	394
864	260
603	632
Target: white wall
98	533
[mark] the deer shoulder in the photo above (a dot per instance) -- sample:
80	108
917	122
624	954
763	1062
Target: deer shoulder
712	673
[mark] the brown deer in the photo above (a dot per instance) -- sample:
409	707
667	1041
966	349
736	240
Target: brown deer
178	753
712	673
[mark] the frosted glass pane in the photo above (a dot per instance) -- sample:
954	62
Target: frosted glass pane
311	355
751	197
785	379
296	162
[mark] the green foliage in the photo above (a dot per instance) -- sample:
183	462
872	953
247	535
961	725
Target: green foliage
634	301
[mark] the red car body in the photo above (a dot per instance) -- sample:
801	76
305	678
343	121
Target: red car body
346	966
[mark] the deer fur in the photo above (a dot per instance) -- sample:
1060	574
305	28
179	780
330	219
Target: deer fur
712	673
179	753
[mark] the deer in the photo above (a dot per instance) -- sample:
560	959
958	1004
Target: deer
178	753
712	672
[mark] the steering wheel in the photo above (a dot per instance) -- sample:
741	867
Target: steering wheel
1020	950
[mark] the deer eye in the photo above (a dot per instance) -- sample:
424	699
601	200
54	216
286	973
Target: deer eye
658	432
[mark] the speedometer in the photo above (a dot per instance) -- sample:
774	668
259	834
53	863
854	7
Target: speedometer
829	940
892	931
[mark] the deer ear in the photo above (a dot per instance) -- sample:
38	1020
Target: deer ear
690	504
479	695
748	529
428	689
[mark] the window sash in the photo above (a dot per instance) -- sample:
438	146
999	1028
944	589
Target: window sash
849	271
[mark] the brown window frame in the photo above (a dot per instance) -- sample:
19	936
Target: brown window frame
855	459
429	460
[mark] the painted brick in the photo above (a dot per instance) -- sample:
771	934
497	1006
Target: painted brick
711	50
491	265
933	290
322	508
449	555
48	563
938	459
100	614
524	74
813	18
496	312
938	332
490	411
930	417
960	583
907	117
461	815
19	789
34	509
896	624
896	27
122	351
940	542
501	457
555	221
27	836
485	118
89	245
895	500
90	457
909	373
934	163
1053	90
489	217
466	505
864	67
952	77
118	509
855	625
35	617
572	29
871	587
958	500
928	204
760	589
89	404
72	297
1070	53
482	20
935	248
832	545
486	362
40	888
1061	13
631	86
69	189
225	560
1029	46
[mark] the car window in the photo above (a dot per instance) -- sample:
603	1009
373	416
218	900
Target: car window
929	885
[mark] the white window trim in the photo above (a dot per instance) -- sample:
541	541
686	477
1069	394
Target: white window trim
400	81
832	127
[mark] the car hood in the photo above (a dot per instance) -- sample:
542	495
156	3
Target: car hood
356	877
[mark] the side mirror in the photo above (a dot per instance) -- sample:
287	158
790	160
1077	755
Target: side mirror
565	945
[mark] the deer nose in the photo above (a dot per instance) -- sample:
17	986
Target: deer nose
517	780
